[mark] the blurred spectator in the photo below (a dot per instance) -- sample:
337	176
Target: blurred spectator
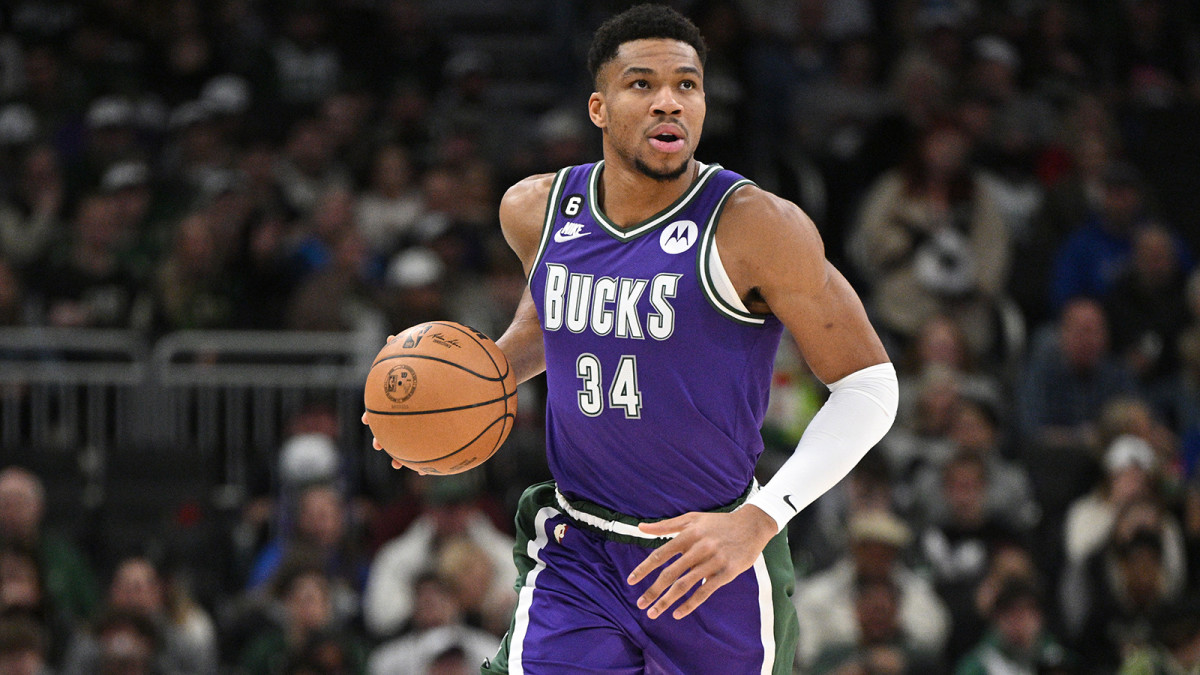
23	646
921	435
1175	642
32	219
929	241
306	624
449	511
882	646
189	290
1108	600
1092	258
388	209
1147	307
1131	471
306	67
12	296
1008	499
436	627
825	602
1017	641
23	595
320	530
186	635
1068	379
308	168
89	282
70	583
127	644
818	535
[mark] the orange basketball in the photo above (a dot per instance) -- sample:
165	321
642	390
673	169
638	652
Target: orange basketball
441	397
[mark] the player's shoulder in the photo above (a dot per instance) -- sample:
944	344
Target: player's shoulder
528	193
751	210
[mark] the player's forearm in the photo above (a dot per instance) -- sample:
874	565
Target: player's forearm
860	410
522	345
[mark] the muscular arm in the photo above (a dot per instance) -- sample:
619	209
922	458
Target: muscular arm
522	211
776	262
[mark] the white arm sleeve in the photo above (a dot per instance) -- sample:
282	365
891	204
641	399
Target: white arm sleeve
860	410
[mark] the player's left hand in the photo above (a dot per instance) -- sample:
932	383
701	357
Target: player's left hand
709	549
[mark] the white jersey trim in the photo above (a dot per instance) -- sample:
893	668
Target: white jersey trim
721	283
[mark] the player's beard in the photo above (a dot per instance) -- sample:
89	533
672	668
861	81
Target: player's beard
661	176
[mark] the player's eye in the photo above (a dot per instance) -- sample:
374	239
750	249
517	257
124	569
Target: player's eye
687	84
641	84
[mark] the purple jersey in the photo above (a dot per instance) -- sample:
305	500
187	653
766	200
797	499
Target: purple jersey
658	377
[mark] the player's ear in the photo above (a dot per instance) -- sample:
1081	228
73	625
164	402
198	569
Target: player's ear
597	110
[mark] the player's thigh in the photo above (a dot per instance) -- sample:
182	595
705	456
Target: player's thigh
746	627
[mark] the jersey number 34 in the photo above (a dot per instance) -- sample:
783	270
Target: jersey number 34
623	391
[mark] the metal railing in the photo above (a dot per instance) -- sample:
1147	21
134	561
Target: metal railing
226	395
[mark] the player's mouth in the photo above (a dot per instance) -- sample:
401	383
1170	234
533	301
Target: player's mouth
667	138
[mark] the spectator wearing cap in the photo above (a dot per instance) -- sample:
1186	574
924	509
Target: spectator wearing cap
1090	261
450	509
1108	600
1132	472
825	602
1017	640
112	136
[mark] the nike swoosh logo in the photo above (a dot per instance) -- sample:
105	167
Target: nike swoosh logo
788	499
561	236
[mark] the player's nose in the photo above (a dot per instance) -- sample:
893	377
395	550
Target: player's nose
666	103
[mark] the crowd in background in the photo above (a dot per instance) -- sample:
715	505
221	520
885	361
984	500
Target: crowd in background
1011	186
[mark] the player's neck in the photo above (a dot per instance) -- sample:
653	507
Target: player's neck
629	197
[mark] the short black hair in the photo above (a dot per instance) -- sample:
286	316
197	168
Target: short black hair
642	22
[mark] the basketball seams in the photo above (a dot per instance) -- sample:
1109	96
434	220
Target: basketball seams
482	346
502	418
503	376
468	406
426	357
404	422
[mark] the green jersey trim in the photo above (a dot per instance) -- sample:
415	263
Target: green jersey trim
664	216
707	284
556	188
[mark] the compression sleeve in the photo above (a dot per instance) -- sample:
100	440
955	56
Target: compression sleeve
860	409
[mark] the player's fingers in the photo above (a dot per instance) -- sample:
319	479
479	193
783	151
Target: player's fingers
707	588
364	417
657	558
375	443
675	592
667	578
397	464
668	526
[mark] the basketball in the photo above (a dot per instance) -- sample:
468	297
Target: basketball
441	397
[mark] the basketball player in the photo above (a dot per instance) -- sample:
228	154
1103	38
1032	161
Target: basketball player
658	290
